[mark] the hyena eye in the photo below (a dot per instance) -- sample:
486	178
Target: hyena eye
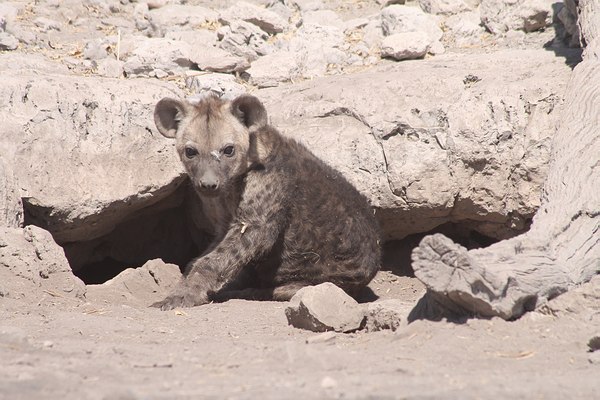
228	151
190	152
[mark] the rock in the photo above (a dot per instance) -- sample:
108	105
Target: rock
272	69
323	18
11	208
354	24
34	267
464	29
317	49
401	19
223	85
46	24
324	307
386	3
594	343
197	38
110	68
265	19
138	287
173	16
445	7
568	17
244	39
500	16
158	54
387	315
405	46
95	49
89	137
582	302
8	42
215	59
421	157
284	8
373	33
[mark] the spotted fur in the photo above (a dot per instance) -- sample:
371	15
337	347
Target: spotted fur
281	217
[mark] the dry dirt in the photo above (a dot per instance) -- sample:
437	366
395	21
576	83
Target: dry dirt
65	348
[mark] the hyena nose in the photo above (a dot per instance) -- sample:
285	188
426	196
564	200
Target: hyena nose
209	185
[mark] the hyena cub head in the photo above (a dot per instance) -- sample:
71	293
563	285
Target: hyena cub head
214	138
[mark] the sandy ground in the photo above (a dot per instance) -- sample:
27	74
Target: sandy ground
64	348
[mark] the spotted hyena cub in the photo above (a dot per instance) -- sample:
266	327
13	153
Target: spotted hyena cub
281	218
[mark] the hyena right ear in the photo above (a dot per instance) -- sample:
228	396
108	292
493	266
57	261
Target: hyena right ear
250	111
168	113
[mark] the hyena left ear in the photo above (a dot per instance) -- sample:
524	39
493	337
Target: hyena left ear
167	116
250	111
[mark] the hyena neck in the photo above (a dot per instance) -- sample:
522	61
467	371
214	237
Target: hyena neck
221	209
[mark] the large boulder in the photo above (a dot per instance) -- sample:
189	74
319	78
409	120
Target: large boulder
34	267
84	151
466	139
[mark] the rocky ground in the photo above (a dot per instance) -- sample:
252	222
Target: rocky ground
441	112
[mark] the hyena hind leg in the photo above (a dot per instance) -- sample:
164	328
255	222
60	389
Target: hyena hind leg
287	291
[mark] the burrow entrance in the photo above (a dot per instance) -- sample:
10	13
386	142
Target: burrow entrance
164	230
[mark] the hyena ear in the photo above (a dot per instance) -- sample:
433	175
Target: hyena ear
250	111
168	113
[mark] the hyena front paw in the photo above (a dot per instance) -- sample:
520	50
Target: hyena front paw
181	300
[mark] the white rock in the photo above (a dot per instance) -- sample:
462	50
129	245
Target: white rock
464	29
400	19
405	46
158	53
436	48
317	47
95	49
270	70
323	17
387	315
110	68
173	15
500	16
32	263
11	208
215	59
265	19
446	7
46	24
197	38
373	33
244	39
324	307
137	286
8	41
223	85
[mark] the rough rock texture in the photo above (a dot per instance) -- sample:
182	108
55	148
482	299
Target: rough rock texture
405	46
74	139
582	302
220	84
424	147
34	268
500	16
400	18
387	315
324	307
11	208
562	249
265	19
137	287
